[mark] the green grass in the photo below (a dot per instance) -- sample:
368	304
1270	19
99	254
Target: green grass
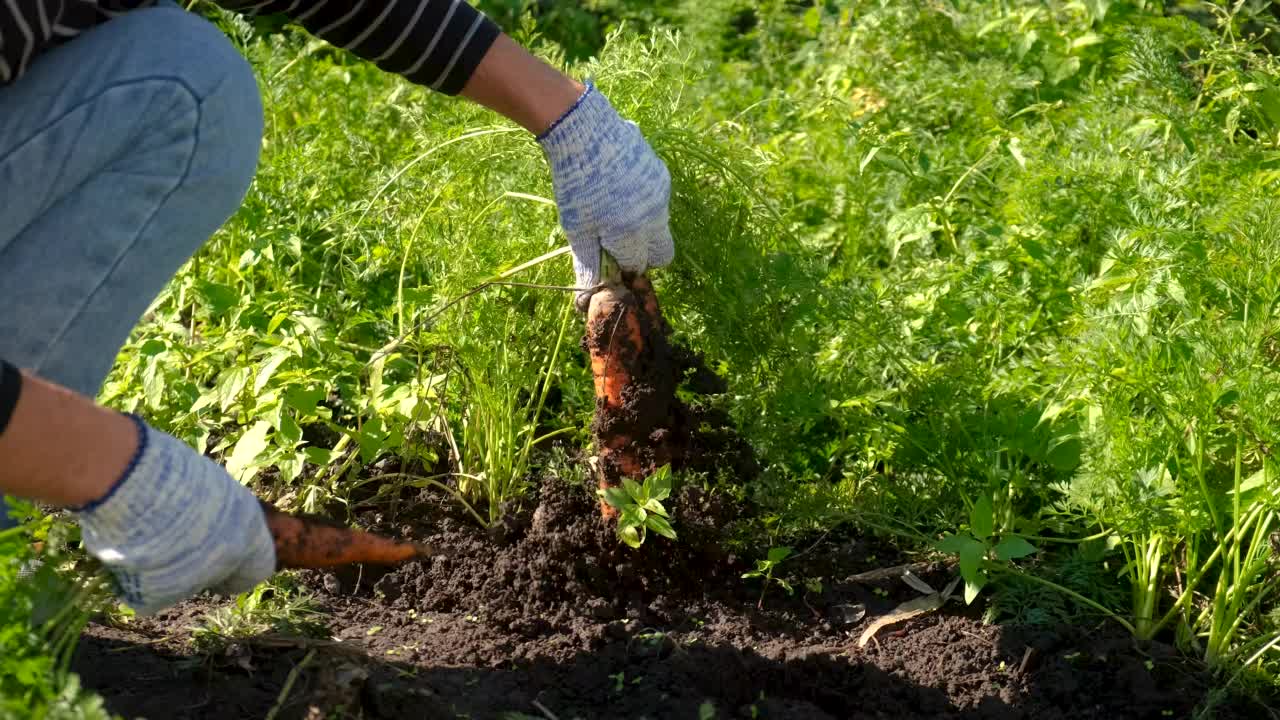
994	269
276	607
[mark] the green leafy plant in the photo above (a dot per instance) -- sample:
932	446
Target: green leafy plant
499	432
280	606
979	549
46	599
765	569
640	508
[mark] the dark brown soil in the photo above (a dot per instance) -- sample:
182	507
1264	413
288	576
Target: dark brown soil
553	618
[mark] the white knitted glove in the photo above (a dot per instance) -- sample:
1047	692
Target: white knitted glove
612	190
177	524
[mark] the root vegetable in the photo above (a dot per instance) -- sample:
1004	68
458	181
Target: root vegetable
614	318
614	335
634	379
305	542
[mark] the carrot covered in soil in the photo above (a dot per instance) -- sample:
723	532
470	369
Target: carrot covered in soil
616	319
306	542
632	369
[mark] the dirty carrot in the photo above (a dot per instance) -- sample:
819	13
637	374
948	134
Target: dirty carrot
304	542
613	326
613	336
624	335
643	288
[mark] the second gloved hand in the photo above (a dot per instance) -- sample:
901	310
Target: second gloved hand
612	189
177	524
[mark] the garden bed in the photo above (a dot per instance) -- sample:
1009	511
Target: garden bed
553	618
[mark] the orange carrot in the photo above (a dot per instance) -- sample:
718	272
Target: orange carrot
308	542
613	321
622	321
613	336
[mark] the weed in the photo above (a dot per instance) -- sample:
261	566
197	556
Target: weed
279	606
46	599
639	506
499	432
980	547
1083	568
765	571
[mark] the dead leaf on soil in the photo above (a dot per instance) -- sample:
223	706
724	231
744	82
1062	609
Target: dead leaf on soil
917	583
905	611
847	614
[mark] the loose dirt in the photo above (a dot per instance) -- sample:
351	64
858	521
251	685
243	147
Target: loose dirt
552	618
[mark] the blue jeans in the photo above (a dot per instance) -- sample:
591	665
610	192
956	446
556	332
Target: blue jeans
121	152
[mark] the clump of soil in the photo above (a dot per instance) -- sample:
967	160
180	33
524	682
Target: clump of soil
559	562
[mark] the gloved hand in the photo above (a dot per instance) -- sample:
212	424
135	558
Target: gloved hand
177	524
612	190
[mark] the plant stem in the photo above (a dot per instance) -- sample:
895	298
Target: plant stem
1067	541
1148	571
1204	487
432	482
1194	582
289	683
1225	599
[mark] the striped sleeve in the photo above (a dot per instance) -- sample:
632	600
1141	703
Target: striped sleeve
30	27
434	43
19	38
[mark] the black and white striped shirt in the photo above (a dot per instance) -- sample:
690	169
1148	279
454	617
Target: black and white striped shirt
435	43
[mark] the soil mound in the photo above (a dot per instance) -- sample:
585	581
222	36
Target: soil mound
548	567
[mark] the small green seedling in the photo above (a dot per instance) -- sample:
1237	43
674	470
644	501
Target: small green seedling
639	507
981	549
620	681
764	569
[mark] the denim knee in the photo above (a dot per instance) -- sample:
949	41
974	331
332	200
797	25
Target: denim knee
193	88
203	62
179	124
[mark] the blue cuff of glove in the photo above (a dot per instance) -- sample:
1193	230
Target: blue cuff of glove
128	471
591	90
591	126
